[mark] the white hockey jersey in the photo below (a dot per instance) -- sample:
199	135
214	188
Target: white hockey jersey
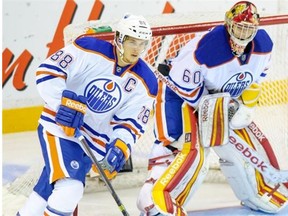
119	100
206	64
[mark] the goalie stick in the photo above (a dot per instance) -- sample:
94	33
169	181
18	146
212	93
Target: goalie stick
267	170
85	145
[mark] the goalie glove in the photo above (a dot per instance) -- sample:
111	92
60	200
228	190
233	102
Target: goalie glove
71	112
242	117
117	153
244	114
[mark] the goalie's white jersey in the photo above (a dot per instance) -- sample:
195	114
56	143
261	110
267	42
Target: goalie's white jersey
119	100
206	64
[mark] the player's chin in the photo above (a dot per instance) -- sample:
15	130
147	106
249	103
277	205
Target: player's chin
133	59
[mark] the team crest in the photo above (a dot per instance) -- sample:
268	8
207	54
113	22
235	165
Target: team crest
74	164
102	95
237	83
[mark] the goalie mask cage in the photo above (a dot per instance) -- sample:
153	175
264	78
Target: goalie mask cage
271	113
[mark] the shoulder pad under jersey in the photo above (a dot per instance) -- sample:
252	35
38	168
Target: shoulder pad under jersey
213	49
95	45
146	73
262	42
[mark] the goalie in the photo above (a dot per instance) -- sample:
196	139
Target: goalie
217	77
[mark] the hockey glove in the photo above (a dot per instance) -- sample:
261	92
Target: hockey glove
117	153
244	115
94	172
71	112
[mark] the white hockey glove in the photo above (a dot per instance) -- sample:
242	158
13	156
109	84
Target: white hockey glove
242	117
244	114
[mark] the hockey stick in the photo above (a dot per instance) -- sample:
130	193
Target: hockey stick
85	145
265	168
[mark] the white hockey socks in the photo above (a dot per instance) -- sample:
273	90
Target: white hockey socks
65	197
34	206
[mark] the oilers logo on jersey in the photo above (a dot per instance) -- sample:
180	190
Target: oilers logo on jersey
237	83
102	95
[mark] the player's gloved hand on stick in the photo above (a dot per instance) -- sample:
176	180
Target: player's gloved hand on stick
71	112
117	153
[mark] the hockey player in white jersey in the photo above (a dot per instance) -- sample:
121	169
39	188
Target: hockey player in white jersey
216	70
104	90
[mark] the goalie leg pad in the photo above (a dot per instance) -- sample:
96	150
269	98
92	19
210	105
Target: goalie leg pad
65	196
213	119
248	184
179	181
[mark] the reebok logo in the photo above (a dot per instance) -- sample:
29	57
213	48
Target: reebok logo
78	106
256	131
173	168
248	153
204	113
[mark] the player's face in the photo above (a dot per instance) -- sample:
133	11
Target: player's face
133	48
241	35
243	31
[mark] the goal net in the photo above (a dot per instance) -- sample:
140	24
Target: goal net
170	33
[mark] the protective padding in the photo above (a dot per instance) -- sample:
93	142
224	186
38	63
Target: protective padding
213	119
248	184
185	173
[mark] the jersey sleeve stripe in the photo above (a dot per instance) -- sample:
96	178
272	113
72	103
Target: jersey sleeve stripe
52	67
179	86
94	139
43	79
94	148
185	92
43	76
38	73
127	120
45	118
95	133
51	112
193	100
125	125
126	128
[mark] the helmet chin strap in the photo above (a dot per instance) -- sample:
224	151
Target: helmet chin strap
121	52
122	59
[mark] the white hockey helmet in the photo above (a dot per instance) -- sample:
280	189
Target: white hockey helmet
133	26
242	22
